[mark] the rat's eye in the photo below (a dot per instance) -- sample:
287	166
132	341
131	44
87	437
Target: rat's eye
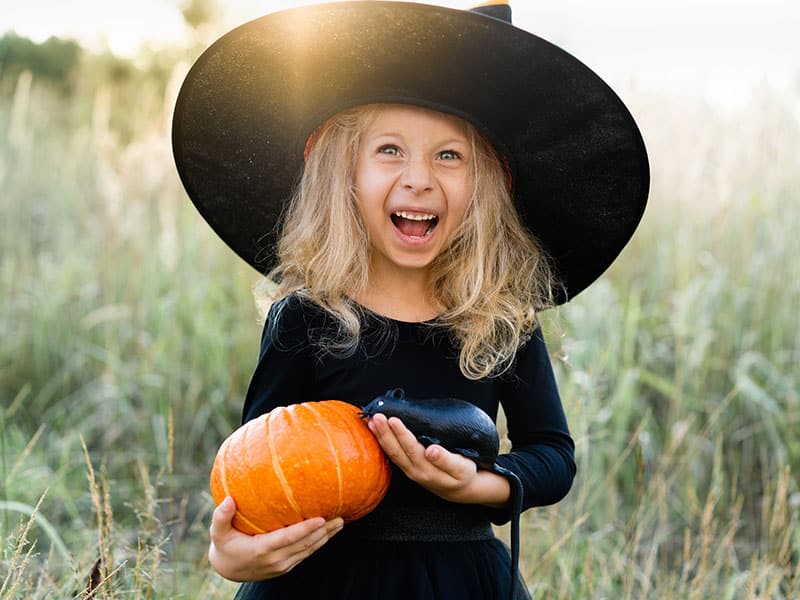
380	403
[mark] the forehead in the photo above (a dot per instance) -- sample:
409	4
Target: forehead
405	118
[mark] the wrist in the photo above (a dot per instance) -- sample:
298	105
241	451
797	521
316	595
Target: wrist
486	488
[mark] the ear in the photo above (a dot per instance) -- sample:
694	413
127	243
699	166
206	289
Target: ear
497	9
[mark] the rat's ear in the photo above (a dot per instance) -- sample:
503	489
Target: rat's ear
498	9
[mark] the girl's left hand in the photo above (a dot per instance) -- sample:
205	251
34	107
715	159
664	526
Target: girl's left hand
448	475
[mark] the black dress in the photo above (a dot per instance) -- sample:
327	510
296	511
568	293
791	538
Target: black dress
407	548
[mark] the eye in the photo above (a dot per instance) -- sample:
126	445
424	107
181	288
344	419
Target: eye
449	155
389	149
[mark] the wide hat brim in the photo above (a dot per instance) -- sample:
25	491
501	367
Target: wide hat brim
249	103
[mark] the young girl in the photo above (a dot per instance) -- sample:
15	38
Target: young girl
457	175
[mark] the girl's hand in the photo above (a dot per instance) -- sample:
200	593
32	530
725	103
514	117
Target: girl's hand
448	475
444	473
241	557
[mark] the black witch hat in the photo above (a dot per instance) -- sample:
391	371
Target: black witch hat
250	102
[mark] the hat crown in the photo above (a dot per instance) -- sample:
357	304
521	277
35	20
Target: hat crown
497	9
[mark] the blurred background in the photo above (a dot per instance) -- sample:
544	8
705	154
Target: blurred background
128	331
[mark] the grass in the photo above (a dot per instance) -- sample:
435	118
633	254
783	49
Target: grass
129	333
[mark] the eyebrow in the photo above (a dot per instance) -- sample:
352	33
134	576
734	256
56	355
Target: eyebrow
391	134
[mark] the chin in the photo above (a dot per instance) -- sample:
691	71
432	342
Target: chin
409	263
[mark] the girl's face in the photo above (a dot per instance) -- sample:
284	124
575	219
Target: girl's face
412	185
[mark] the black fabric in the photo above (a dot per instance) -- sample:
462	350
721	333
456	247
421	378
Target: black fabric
419	357
247	107
354	569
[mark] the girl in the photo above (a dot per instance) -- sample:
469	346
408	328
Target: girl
429	226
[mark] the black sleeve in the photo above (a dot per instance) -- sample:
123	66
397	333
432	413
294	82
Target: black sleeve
285	367
542	451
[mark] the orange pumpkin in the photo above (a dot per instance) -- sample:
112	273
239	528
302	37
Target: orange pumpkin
298	462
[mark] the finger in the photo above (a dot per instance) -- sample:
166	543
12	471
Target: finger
389	443
293	534
454	465
316	539
408	441
222	517
379	426
288	557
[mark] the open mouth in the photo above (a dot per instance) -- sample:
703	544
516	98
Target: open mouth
414	224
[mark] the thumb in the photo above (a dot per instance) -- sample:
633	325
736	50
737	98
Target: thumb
221	519
437	455
454	465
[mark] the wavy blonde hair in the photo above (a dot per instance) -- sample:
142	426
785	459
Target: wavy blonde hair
491	279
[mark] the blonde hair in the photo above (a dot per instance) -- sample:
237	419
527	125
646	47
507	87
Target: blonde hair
491	279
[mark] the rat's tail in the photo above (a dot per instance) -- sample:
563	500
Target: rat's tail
516	509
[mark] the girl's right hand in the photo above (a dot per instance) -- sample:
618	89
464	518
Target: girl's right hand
241	557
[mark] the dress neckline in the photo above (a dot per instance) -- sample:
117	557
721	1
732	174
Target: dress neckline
369	312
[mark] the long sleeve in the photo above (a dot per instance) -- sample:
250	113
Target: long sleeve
285	368
542	451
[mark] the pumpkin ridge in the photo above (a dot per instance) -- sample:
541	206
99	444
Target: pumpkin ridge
247	521
276	466
250	431
373	495
315	412
239	452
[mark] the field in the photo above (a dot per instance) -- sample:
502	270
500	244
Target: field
128	333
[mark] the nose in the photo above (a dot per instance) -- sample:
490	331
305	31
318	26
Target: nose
417	176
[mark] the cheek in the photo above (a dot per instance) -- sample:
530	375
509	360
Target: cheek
362	210
459	202
369	212
368	189
364	204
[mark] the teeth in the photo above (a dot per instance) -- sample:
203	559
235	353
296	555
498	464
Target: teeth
411	217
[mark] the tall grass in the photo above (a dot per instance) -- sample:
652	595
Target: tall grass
128	335
679	373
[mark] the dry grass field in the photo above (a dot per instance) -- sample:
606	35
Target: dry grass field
128	333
